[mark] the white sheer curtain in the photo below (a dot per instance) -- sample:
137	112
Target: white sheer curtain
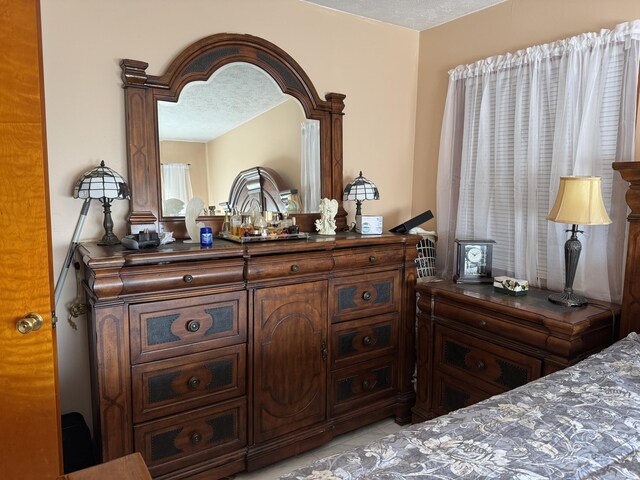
514	124
310	168
176	188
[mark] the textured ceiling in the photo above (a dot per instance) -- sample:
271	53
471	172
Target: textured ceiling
414	14
233	95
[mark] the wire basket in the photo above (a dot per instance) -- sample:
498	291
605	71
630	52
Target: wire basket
426	261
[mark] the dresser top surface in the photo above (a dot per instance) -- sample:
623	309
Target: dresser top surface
96	256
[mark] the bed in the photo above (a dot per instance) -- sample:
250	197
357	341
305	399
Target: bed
581	422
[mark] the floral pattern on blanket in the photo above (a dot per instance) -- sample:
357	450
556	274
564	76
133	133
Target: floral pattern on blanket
581	422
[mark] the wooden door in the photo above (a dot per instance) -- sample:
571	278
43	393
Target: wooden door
29	421
290	350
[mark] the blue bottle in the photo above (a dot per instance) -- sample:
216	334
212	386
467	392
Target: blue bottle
206	237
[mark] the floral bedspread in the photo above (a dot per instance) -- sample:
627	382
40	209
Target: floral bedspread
581	422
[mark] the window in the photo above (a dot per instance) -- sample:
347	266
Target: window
513	125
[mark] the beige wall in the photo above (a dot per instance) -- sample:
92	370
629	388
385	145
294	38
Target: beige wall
271	140
373	64
507	27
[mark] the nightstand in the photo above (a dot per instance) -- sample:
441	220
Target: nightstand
473	342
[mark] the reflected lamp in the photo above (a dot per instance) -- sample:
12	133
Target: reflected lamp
578	202
359	190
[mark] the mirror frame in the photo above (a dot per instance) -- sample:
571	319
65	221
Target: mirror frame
198	62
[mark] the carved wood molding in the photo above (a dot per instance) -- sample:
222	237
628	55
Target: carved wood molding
630	321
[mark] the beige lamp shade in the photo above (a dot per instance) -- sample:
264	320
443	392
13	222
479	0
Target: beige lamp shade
579	202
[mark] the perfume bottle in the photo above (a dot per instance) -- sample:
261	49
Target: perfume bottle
293	228
225	224
235	223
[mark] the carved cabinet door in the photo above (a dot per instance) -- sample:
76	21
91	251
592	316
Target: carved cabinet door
290	358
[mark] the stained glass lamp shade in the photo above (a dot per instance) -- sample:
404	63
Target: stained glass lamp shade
106	185
359	190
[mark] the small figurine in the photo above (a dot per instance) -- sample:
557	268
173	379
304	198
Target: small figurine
326	224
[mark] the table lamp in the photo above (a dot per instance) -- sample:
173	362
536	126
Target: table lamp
579	202
360	189
105	185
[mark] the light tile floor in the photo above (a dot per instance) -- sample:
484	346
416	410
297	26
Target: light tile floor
348	441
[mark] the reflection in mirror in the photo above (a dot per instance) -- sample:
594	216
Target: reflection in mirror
238	119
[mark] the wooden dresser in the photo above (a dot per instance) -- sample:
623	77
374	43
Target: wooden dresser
212	361
473	343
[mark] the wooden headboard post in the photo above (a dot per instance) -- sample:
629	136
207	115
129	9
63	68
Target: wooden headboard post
630	321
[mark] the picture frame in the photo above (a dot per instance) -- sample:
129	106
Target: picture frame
474	261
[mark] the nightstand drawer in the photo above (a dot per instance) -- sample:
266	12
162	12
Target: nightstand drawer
358	386
175	385
371	294
176	327
473	317
486	365
361	340
186	439
450	394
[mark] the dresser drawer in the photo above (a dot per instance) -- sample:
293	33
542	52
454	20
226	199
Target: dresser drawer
171	386
179	276
358	386
489	367
198	435
365	295
263	268
361	340
176	327
367	257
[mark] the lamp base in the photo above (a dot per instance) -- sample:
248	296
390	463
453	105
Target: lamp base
568	299
109	239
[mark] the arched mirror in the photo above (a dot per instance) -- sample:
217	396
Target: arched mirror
226	104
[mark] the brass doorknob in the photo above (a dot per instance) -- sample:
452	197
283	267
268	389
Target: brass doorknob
32	321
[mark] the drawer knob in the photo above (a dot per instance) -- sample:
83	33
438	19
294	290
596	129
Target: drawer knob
481	365
196	438
194	382
366	296
295	268
188	278
483	323
367	385
372	258
367	340
193	326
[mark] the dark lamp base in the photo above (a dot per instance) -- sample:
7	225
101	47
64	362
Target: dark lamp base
109	239
568	299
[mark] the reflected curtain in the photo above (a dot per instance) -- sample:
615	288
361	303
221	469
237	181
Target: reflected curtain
176	188
310	187
514	124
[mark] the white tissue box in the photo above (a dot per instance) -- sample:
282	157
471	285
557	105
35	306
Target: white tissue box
369	224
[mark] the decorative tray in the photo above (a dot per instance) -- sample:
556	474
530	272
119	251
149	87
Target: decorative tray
266	238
